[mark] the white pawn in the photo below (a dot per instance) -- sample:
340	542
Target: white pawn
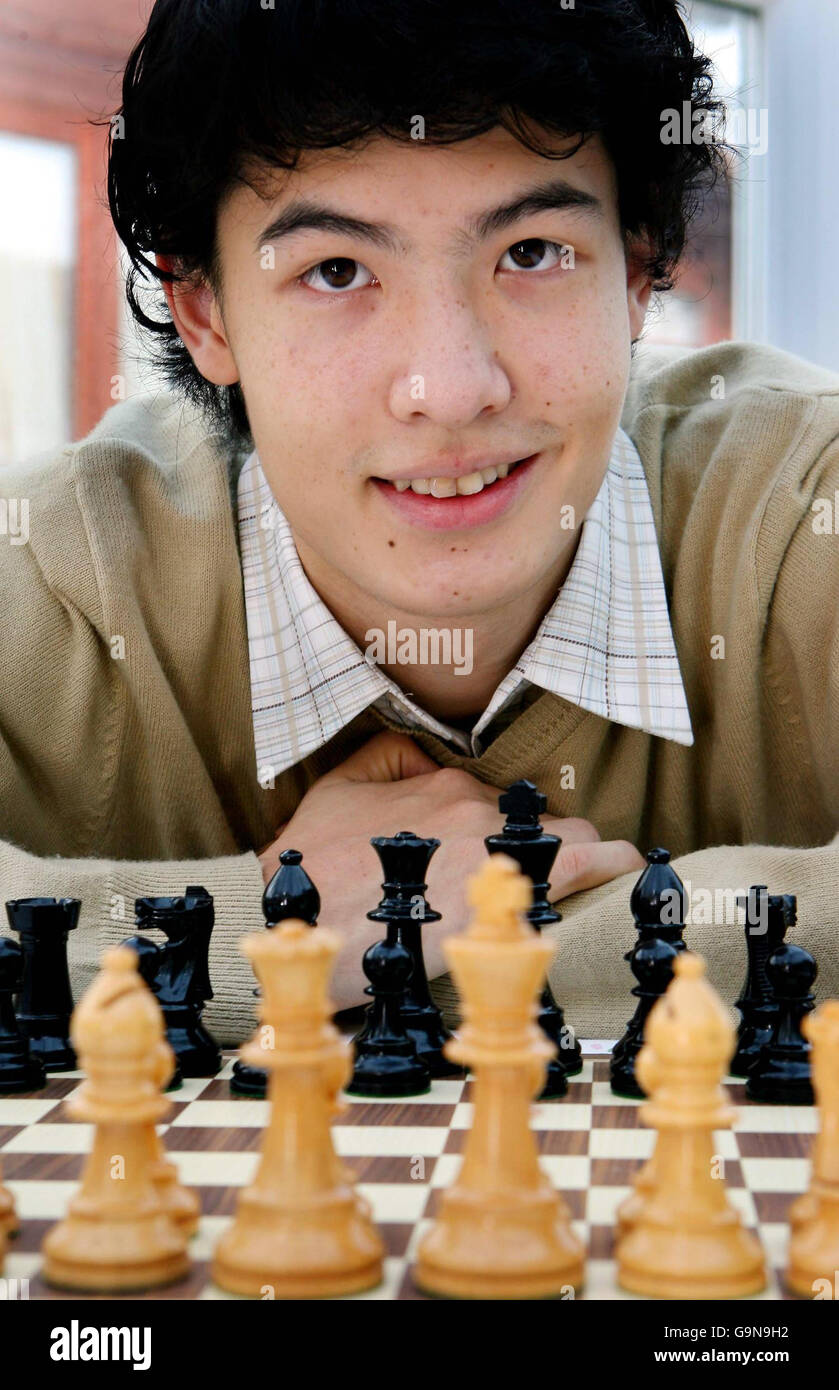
686	1239
814	1218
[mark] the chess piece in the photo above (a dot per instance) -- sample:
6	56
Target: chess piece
651	963
290	894
300	1229
386	1059
117	1235
148	963
813	1255
45	1002
502	1232
180	1203
19	1070
524	840
767	918
404	859
687	1241
9	1224
181	982
644	1182
657	903
781	1074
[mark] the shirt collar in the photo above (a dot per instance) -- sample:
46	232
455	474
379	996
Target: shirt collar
605	644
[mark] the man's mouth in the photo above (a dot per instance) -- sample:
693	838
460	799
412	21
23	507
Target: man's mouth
460	503
468	485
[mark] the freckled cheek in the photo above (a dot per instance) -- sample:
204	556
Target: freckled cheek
594	352
295	391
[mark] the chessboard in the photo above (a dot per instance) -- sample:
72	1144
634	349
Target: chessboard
403	1153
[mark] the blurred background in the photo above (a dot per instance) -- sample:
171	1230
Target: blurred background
764	262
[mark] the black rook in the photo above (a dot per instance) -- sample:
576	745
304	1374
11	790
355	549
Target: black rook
45	1001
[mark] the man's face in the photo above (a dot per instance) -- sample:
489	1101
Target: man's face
434	350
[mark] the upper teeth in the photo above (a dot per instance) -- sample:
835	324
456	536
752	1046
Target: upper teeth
466	486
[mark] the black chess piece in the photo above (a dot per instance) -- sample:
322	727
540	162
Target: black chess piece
386	1062
148	964
45	1000
782	1072
290	894
767	918
657	903
181	981
524	840
404	859
19	1070
651	963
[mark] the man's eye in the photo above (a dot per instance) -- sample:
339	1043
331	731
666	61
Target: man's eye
334	276
530	254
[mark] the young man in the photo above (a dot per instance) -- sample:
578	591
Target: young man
406	251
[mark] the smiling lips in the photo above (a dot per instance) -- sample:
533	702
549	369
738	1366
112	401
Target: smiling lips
457	503
468	485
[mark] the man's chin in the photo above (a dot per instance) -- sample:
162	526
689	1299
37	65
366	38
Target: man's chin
457	601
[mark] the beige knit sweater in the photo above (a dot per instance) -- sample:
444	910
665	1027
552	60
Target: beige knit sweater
127	760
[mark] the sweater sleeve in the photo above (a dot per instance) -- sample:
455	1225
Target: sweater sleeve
60	739
591	979
107	890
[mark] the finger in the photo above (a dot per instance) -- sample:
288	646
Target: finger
585	865
449	785
456	784
572	830
386	757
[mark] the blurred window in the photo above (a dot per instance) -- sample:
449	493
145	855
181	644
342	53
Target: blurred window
717	294
37	263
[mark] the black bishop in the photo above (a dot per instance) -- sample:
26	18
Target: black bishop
657	903
290	894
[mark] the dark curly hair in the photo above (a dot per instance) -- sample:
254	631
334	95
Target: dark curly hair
216	89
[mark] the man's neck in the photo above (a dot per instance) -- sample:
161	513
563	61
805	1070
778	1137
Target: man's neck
460	691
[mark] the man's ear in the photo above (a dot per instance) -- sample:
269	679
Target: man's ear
195	314
639	286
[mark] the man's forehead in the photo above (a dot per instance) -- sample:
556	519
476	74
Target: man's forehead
498	142
483	173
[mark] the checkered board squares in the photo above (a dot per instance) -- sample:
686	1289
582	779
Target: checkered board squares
403	1154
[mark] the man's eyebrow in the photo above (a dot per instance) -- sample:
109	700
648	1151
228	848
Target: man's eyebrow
307	215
